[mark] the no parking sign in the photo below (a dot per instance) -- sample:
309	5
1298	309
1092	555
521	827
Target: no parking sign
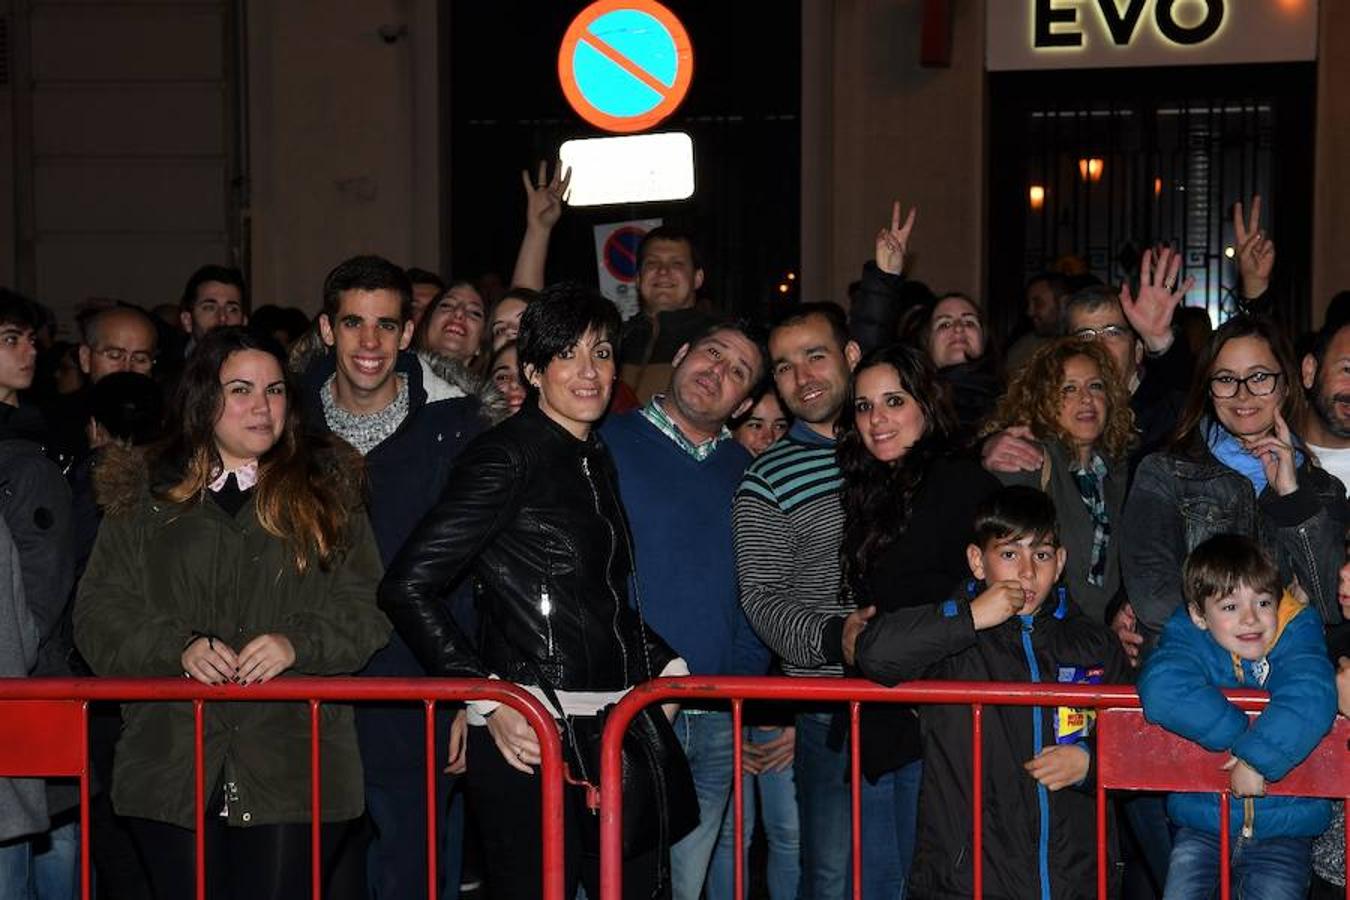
616	256
625	65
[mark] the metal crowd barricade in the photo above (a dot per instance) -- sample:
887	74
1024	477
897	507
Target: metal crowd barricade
1131	754
44	732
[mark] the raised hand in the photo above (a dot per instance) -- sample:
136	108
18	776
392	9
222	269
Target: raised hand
545	196
1000	602
1150	313
1276	453
1255	252
893	242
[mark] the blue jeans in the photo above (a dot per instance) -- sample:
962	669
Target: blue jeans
396	861
42	867
1262	869
823	803
707	741
890	813
778	797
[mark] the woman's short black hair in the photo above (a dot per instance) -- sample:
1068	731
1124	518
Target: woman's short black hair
558	319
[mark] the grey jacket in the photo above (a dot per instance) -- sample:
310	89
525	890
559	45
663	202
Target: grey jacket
23	801
1178	501
1076	528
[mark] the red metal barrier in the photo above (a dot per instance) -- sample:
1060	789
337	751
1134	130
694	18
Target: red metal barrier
39	717
1131	754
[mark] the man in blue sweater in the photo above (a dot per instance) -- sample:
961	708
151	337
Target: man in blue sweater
678	470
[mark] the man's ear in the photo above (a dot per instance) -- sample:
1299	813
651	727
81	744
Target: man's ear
408	328
743	408
698	279
975	559
326	330
1138	353
531	374
1309	371
86	358
185	320
680	354
1061	557
852	353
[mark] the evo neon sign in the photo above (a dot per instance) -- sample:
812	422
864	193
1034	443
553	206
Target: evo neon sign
1122	23
1064	34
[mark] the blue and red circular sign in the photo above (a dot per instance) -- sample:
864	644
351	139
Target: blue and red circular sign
620	252
625	65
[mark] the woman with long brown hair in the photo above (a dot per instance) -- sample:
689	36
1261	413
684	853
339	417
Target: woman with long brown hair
1077	406
1235	466
235	551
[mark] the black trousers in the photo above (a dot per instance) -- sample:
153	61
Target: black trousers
506	807
262	862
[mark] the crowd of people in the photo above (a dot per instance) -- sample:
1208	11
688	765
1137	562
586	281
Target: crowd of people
424	481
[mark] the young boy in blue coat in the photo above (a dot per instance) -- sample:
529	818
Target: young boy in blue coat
1240	629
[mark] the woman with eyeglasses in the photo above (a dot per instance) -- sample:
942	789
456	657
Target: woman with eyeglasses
1235	467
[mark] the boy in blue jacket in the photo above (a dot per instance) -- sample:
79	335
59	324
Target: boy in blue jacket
1240	629
1010	622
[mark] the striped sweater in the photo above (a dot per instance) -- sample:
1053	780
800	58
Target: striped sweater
788	521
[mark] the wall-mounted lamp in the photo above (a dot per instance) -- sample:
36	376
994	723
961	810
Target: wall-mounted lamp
1091	168
1036	196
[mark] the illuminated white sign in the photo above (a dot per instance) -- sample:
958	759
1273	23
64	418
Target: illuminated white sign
1059	34
639	168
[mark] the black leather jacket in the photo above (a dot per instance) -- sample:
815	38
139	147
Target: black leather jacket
534	513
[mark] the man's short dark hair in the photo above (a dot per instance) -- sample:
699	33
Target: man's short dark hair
832	313
366	273
223	274
746	329
18	311
1089	299
562	314
88	321
1224	563
1325	335
423	276
1012	513
670	233
1058	284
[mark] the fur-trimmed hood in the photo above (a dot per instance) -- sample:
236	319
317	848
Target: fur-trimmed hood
492	403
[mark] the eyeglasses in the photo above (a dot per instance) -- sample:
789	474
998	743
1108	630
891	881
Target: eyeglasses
1258	384
1106	332
117	354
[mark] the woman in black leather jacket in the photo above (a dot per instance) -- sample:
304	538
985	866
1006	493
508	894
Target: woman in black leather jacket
533	513
1235	467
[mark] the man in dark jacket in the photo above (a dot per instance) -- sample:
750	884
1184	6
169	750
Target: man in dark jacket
409	425
35	503
1011	623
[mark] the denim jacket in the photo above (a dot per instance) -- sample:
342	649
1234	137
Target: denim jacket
1178	501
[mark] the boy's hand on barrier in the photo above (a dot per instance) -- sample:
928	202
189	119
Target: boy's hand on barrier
459	744
1343	685
1059	766
209	661
514	738
1000	602
1246	781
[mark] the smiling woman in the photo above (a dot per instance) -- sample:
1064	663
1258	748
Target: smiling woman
1236	467
1074	401
235	551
